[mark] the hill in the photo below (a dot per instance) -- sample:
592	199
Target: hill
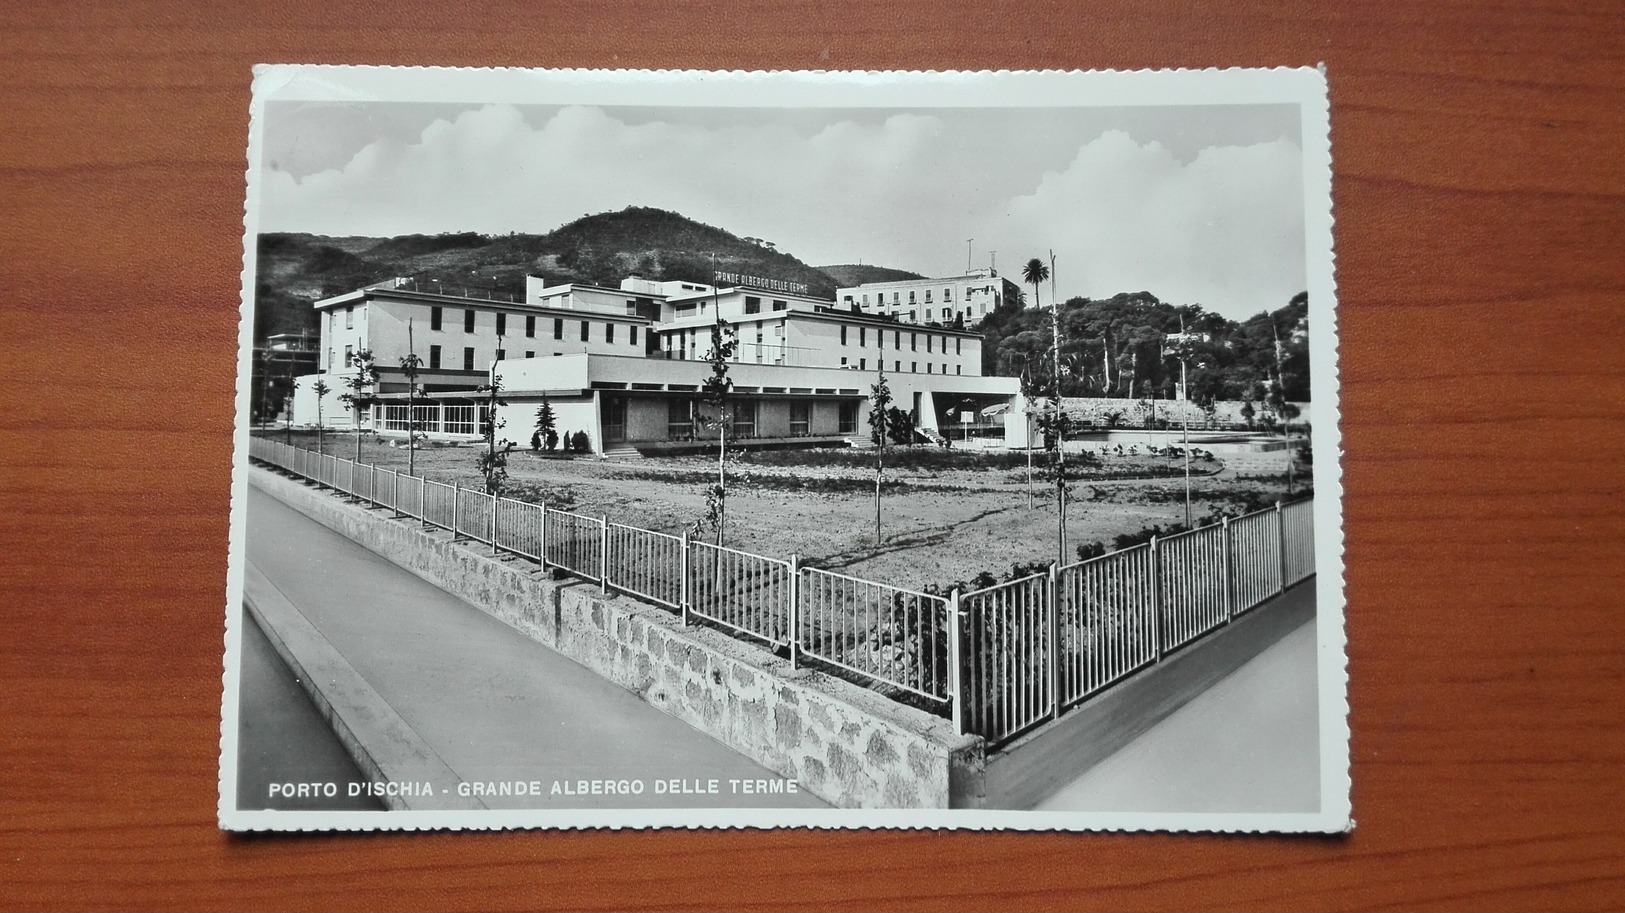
847	275
298	269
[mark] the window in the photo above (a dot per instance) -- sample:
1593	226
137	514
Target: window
847	299
434	317
434	358
744	419
897	366
349	319
780	305
800	419
896	298
913	316
468	321
927	298
863	336
843	361
863	364
558	327
609	332
778	329
586	328
865	300
849	419
927	313
530	325
959	369
914	342
928	367
468	359
753	305
632	334
928	343
349	356
460	420
843	340
330	358
502	324
897	339
614	418
530	353
501	354
679	420
947	294
913	367
910	296
956	346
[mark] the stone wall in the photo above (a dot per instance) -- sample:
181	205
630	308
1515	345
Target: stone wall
843	743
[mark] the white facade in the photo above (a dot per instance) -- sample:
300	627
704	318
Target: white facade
775	328
970	297
652	405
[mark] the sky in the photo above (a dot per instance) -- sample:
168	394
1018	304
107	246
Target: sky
1197	205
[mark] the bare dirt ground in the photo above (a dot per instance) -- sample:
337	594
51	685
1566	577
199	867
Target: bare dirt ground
937	527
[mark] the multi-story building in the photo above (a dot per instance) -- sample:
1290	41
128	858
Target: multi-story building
778	328
457	339
626	366
963	300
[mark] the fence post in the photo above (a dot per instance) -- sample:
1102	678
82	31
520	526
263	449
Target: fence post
1224	566
541	541
493	524
1156	596
1280	529
956	692
456	507
1053	590
682	592
603	553
795	611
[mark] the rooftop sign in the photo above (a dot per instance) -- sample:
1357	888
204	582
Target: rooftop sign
771	285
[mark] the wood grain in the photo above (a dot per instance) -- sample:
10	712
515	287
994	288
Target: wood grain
1478	188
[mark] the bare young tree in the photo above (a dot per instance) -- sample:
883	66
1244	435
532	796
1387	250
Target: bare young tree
321	389
879	407
715	390
359	388
411	365
493	463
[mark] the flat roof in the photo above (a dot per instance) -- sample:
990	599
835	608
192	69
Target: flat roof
463	302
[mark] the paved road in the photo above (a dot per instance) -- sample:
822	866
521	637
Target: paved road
495	705
283	739
1248	744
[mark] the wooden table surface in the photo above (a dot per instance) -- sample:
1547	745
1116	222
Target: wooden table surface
1481	274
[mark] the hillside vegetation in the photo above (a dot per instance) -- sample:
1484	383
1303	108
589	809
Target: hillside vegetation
298	269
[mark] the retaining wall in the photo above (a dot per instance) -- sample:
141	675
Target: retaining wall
847	745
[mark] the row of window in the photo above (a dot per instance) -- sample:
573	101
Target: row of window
436	360
897	340
896	297
437	320
897	366
681	415
434	417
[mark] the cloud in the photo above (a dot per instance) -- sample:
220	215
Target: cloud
1223	229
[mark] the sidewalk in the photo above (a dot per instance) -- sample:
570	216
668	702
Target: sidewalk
1250	743
492	704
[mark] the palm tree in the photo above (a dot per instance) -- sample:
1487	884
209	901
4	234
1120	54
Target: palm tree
1033	273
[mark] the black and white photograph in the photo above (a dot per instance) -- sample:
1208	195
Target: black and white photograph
645	449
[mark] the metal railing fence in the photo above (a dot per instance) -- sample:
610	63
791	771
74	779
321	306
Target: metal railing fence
739	590
886	634
1000	661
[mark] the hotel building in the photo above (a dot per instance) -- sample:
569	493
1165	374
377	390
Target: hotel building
970	298
626	365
